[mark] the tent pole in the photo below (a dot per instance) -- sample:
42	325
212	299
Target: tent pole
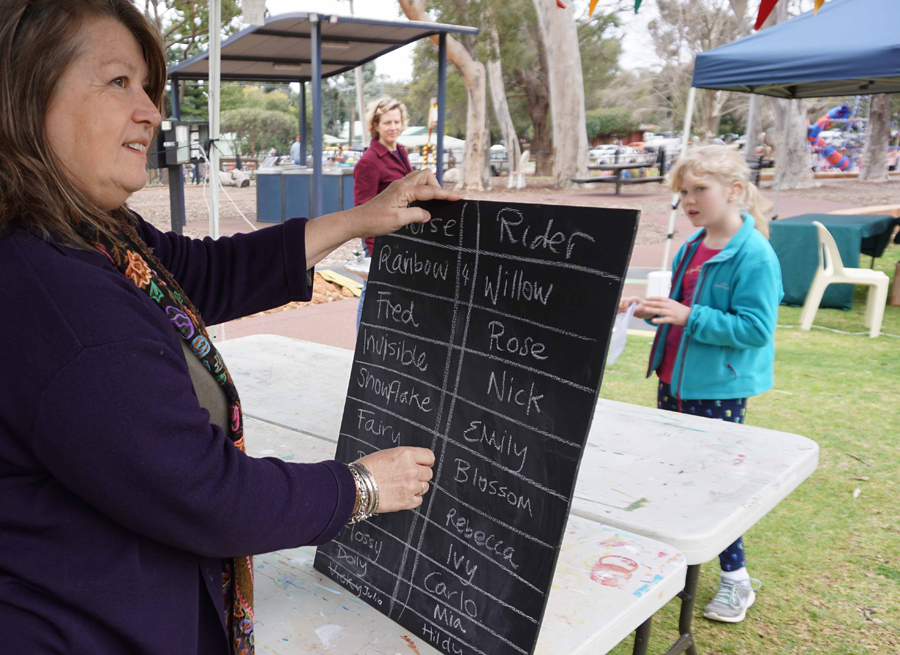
215	83
782	156
217	332
441	102
315	32
302	123
176	174
676	197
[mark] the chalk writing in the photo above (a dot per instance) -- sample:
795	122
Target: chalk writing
483	338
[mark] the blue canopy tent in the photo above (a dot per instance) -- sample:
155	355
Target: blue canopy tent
850	47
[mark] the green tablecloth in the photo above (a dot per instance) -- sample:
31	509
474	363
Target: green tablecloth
794	241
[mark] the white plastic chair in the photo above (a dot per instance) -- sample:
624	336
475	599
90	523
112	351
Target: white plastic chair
831	271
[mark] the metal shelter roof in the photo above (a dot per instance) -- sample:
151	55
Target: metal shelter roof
851	47
281	50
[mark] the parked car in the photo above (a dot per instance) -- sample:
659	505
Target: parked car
602	154
613	154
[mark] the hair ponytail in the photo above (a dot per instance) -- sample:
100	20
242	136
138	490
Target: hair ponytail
753	206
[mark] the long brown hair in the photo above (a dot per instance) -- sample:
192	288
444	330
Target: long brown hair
38	40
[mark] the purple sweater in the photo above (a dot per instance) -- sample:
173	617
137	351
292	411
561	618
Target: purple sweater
117	496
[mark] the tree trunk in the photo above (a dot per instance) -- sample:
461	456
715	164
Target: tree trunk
711	112
474	77
793	170
570	145
878	134
534	83
543	147
753	112
504	120
501	106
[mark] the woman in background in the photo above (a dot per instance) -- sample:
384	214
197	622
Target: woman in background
384	162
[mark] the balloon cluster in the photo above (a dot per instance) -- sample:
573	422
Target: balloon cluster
818	144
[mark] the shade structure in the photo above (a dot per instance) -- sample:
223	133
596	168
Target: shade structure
851	47
281	50
307	47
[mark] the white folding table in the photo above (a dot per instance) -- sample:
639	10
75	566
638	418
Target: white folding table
686	481
691	482
608	583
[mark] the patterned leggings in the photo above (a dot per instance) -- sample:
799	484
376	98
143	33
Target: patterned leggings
732	558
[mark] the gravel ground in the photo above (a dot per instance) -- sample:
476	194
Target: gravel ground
853	192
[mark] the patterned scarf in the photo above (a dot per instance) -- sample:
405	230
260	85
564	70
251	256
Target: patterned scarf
128	253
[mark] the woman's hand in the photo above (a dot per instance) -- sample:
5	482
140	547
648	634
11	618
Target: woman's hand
402	476
389	211
640	311
383	214
667	310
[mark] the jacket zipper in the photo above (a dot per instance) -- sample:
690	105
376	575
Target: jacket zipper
687	338
675	275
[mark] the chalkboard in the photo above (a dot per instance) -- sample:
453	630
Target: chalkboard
483	337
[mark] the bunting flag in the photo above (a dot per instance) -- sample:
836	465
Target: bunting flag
765	8
637	5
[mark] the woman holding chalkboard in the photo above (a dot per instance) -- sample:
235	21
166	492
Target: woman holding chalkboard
130	511
384	162
716	343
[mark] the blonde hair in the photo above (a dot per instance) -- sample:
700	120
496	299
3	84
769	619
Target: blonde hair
379	108
726	165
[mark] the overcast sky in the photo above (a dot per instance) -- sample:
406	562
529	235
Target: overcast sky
638	48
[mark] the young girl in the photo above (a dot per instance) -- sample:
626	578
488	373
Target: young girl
715	345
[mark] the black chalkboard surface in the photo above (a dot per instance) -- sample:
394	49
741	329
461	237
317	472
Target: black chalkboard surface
483	337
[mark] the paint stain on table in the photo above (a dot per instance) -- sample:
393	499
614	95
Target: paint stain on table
411	644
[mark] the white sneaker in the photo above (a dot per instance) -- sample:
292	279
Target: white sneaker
732	600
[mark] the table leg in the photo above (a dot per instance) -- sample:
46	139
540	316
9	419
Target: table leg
618	184
685	643
642	637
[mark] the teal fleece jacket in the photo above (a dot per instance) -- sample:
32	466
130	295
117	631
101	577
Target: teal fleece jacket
728	346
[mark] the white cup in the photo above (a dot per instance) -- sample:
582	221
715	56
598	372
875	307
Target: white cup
658	284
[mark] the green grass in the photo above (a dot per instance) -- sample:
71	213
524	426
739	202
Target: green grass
826	559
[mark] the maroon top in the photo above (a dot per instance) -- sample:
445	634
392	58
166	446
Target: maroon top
376	169
673	341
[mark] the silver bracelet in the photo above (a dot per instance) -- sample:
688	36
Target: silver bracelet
374	497
362	496
367	492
